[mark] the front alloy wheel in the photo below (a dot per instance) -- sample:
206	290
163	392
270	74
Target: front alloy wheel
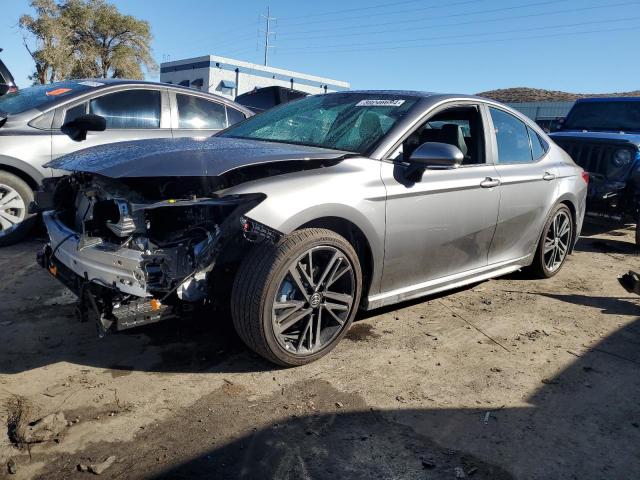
313	301
293	301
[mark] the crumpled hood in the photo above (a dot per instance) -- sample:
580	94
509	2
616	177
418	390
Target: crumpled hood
184	157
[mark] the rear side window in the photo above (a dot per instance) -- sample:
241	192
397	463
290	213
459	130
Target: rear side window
538	146
136	109
234	115
512	137
199	113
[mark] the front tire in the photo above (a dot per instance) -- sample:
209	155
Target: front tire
15	220
555	243
292	302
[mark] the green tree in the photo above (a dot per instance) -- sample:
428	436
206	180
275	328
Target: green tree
86	38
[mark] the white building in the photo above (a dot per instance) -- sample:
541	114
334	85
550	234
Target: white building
229	77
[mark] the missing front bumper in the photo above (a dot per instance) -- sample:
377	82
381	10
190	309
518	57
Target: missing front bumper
110	284
109	308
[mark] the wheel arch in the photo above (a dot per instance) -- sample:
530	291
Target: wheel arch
357	238
566	200
30	175
569	202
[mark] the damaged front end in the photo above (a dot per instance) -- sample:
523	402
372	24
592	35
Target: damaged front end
141	250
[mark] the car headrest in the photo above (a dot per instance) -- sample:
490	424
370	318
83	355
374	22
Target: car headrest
452	134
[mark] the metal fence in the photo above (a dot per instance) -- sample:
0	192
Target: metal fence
543	110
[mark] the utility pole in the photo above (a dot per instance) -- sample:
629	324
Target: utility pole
267	35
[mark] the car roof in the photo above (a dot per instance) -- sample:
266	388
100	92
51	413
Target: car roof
117	82
608	99
415	94
271	88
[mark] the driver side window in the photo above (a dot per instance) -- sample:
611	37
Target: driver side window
460	126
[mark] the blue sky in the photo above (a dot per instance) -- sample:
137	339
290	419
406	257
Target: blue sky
464	46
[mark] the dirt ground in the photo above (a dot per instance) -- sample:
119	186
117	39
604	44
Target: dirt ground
510	378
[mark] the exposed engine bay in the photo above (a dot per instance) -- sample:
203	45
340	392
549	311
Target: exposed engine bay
140	250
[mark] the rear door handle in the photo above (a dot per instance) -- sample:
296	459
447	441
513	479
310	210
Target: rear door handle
548	176
490	182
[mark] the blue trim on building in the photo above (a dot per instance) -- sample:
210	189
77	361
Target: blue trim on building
250	71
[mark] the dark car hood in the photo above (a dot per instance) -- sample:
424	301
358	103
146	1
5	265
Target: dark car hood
184	157
633	138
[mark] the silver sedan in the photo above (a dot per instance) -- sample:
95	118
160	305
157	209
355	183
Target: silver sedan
311	211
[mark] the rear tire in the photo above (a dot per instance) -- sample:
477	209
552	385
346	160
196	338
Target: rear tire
555	243
313	274
15	220
638	233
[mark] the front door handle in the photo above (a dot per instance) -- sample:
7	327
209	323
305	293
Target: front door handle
548	176
490	182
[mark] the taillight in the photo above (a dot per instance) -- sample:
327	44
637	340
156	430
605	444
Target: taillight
585	177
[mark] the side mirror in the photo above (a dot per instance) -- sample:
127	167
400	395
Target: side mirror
437	156
77	129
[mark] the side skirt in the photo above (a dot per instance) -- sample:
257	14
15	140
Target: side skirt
447	283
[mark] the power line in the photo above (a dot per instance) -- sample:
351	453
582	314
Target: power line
482	34
461	14
473	42
356	9
457	24
441	17
399	11
223	43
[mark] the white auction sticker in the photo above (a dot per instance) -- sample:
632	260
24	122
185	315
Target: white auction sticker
91	84
379	103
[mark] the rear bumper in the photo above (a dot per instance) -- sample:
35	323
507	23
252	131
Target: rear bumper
119	269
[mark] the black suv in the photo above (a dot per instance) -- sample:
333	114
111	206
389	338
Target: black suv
262	99
602	135
7	83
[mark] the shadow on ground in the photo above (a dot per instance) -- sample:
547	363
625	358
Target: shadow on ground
579	424
582	423
608	305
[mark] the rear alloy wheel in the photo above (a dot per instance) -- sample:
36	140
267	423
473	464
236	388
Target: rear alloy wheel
555	243
293	302
15	220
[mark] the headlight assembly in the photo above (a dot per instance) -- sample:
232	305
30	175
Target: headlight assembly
621	157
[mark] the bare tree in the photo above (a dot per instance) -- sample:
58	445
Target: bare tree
109	43
50	37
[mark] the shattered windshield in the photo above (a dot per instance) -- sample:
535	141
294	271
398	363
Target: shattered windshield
349	122
39	96
618	115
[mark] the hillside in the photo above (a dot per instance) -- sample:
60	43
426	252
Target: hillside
521	94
